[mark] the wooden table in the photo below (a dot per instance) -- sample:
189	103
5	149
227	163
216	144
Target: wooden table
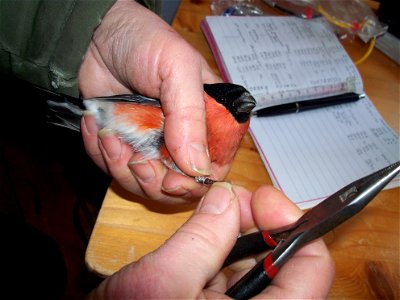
365	248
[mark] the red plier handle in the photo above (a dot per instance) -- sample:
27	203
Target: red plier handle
251	244
285	241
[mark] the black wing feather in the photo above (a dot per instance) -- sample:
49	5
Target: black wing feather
133	98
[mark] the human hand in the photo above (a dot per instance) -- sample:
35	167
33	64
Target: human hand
134	50
188	264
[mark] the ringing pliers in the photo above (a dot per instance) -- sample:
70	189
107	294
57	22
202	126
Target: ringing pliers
285	241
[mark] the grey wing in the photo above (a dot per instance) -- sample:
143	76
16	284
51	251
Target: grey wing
134	98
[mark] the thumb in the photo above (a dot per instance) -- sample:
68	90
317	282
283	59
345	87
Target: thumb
185	263
196	252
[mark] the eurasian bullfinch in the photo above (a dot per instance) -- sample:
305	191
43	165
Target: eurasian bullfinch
139	121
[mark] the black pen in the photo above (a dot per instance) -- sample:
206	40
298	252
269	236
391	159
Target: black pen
295	107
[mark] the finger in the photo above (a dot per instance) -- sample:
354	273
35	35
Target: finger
247	225
193	248
311	265
246	215
271	208
183	105
208	75
308	274
89	131
189	259
149	175
183	186
116	156
120	160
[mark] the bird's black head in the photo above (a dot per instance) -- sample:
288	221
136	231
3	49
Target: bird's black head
234	97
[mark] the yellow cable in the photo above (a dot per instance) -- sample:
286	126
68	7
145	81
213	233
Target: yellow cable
332	19
365	56
345	25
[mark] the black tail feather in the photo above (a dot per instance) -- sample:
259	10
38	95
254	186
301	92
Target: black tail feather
64	114
62	110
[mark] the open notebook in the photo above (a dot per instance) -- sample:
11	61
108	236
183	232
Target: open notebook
312	154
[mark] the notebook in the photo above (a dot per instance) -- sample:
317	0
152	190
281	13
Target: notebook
281	59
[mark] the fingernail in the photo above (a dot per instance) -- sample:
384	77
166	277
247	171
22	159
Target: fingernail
90	123
217	199
199	159
143	170
111	144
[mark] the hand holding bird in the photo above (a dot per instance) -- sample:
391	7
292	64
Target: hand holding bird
154	61
139	122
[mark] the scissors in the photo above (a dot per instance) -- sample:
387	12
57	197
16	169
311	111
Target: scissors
285	241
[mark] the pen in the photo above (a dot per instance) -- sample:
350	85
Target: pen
295	107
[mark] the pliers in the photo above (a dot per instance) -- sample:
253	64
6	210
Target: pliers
285	241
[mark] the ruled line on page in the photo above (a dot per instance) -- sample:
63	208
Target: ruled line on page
313	154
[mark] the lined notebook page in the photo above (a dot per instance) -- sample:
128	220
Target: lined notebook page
313	154
281	59
309	155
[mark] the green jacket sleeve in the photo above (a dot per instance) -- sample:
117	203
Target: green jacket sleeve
44	41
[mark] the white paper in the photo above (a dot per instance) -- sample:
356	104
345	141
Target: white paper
312	154
283	59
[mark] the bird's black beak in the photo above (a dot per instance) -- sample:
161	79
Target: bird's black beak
234	97
242	107
245	103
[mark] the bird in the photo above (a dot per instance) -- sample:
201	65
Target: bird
139	121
